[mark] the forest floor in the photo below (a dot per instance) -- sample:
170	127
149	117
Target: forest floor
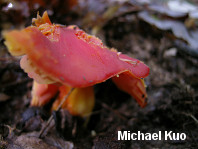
172	86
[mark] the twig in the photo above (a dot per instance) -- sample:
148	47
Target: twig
51	117
192	116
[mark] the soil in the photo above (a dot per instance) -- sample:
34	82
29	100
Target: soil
172	89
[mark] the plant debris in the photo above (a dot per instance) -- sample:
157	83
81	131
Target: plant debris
172	85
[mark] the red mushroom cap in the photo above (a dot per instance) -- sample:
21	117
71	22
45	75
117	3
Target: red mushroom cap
70	57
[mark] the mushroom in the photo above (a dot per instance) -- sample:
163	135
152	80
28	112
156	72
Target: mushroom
62	57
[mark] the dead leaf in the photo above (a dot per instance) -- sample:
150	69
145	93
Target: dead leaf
177	28
4	97
31	141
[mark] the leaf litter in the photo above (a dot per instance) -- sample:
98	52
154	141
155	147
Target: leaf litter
172	85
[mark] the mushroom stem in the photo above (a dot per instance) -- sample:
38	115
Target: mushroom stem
51	117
